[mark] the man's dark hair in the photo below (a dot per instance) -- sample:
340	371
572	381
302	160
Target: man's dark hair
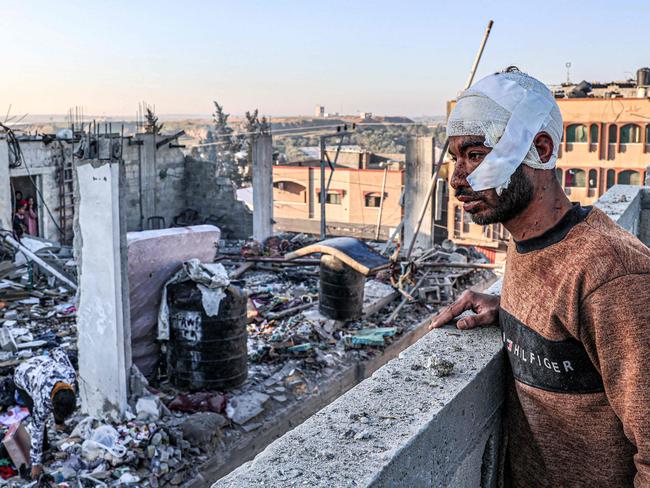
63	405
511	69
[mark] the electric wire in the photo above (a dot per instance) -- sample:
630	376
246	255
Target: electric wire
21	161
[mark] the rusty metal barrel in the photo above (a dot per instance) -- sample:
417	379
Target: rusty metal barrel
206	352
341	290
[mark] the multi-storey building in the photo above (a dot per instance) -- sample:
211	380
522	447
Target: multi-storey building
354	196
606	142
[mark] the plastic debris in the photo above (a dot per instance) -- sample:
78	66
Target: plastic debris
148	408
14	415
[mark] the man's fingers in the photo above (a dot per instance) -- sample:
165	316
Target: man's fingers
471	321
452	311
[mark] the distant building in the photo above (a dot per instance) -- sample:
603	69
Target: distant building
353	199
606	142
365	116
319	111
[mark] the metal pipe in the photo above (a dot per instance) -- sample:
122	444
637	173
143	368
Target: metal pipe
323	193
381	203
477	59
432	185
17	245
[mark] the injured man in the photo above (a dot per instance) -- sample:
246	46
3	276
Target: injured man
574	308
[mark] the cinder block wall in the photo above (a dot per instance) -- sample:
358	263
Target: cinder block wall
157	171
158	182
168	183
215	195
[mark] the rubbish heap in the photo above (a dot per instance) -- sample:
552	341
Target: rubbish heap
171	435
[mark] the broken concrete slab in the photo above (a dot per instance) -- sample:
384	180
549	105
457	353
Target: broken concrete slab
148	408
245	407
202	428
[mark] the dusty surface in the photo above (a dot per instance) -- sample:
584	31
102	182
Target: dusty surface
351	440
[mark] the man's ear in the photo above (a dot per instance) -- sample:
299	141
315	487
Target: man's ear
544	145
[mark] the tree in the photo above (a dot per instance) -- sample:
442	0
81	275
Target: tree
225	147
151	125
252	126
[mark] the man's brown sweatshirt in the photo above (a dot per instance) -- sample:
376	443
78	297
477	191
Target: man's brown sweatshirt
575	318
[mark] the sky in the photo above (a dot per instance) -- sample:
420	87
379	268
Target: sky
284	57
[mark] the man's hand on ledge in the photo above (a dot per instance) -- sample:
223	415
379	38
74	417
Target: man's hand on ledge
485	306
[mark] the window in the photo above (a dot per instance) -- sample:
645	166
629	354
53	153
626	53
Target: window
457	220
630	134
488	231
610	178
593	133
373	200
647	134
575	178
576	133
629	177
466	222
558	174
593	178
333	198
289	191
612	134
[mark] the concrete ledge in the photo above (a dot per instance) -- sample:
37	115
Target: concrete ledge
622	203
403	426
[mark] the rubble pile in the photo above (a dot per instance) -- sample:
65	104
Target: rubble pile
169	434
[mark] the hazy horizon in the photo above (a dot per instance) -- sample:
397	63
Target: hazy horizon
285	57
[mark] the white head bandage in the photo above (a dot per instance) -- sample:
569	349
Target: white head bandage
508	109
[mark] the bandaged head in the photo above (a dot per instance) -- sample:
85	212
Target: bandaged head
509	109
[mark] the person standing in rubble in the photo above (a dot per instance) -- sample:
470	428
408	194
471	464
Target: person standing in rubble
573	309
20	222
32	217
18	198
45	384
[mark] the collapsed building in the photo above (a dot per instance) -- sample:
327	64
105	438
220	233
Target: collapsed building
133	212
163	186
307	322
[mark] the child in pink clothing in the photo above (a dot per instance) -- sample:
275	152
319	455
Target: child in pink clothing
32	217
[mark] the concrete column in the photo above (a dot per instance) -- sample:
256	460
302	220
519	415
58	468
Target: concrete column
262	187
5	187
149	177
103	316
419	170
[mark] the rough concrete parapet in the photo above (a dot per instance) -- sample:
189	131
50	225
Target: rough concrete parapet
622	203
413	423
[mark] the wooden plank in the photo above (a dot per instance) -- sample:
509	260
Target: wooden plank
241	270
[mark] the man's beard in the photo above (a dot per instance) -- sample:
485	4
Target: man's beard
512	201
